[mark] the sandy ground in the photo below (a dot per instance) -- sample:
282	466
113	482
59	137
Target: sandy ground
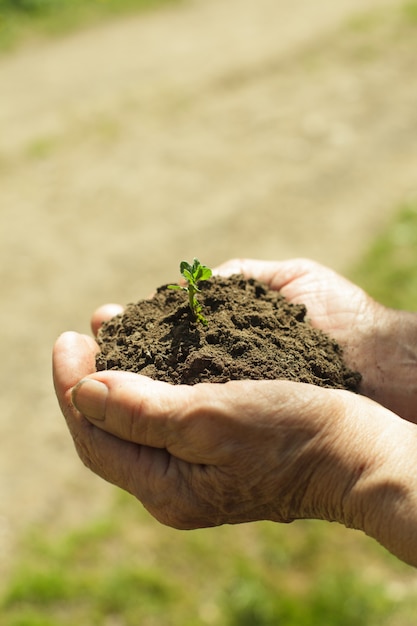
221	128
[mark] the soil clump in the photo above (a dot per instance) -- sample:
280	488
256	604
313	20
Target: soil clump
252	333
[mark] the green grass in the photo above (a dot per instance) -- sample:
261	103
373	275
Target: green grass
128	570
27	20
410	11
389	269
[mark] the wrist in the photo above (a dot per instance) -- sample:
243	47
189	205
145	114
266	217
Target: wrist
391	377
382	501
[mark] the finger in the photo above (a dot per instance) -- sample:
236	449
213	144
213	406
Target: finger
73	358
108	456
196	424
205	423
135	408
276	274
200	440
103	314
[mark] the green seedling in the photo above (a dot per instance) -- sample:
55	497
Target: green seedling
193	274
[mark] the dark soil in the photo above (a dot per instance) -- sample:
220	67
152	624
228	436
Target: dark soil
252	333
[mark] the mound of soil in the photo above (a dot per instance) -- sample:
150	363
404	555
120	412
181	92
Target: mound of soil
252	333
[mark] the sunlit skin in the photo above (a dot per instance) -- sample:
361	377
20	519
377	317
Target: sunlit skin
243	451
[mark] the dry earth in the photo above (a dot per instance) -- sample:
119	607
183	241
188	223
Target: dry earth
219	128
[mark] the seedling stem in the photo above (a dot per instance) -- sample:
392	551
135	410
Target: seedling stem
193	274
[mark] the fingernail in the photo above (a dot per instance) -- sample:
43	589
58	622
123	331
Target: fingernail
89	397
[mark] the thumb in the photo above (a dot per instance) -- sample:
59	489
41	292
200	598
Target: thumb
134	407
199	424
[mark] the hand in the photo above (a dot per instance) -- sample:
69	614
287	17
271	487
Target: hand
377	341
243	451
209	454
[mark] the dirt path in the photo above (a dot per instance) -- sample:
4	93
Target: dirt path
216	129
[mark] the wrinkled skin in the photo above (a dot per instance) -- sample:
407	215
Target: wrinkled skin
250	450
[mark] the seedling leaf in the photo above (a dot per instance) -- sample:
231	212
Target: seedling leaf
193	274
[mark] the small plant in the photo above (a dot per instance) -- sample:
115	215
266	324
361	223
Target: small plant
193	274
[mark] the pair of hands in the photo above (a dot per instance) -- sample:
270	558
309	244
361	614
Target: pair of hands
211	454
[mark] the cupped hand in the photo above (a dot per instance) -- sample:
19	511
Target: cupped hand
248	450
377	341
211	454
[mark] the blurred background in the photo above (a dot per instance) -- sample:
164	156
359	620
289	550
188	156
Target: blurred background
135	134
